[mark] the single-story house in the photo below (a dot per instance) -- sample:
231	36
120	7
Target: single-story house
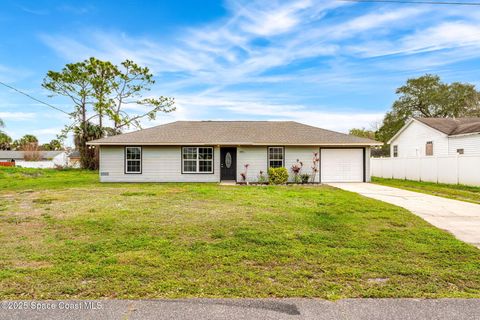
213	151
46	159
74	159
421	137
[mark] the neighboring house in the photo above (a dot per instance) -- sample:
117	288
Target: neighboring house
424	137
47	159
74	159
212	151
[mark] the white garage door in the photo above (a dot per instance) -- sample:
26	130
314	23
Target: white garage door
341	165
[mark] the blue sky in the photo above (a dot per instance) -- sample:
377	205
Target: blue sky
327	63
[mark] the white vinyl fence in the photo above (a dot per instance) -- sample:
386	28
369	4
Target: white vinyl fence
458	169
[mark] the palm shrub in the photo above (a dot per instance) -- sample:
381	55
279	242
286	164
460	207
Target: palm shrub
277	175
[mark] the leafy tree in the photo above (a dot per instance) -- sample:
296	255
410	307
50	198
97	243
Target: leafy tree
101	93
362	133
5	141
428	96
53	145
26	140
90	156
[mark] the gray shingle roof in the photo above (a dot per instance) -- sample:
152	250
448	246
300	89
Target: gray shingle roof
453	126
18	155
234	133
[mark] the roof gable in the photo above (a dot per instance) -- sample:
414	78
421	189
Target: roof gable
447	126
19	155
235	133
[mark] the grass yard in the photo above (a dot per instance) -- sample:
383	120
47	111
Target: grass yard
64	235
452	191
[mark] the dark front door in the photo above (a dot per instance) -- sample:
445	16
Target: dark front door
228	163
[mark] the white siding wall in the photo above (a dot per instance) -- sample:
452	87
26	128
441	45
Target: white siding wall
303	154
256	158
470	144
163	164
159	164
411	142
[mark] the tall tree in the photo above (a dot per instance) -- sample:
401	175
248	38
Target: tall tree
362	133
26	140
5	141
128	86
101	93
53	145
74	83
428	96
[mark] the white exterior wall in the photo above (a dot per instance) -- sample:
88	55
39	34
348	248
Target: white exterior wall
303	154
43	164
163	164
411	142
159	164
256	158
469	143
59	160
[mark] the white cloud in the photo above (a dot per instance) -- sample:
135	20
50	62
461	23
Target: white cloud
230	106
17	116
265	42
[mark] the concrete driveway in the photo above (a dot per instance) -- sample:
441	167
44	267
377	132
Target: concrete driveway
460	218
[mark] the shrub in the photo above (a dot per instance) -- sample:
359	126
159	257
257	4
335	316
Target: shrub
262	178
277	175
304	177
31	152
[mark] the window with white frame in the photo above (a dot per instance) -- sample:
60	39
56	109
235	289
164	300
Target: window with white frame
133	160
197	159
395	151
275	157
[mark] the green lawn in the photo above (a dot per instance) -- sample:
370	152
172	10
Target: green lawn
453	191
64	235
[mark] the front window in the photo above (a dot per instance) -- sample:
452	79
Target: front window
429	148
197	159
133	160
460	151
395	151
275	157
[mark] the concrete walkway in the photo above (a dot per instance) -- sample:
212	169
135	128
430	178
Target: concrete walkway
460	218
246	309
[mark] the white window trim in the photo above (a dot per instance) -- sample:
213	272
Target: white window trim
283	156
139	160
197	160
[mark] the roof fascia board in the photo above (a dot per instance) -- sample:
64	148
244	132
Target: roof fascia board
463	134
